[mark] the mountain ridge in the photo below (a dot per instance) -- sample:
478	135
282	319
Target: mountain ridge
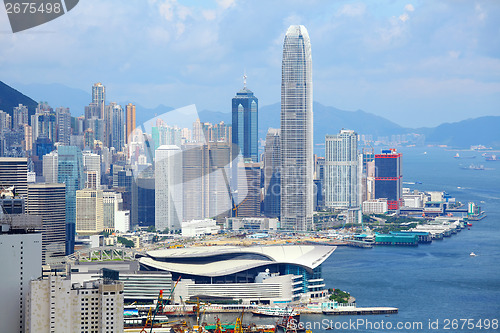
327	119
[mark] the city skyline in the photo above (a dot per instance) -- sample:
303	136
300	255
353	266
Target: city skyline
414	63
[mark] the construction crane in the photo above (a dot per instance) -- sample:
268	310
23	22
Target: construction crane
171	296
235	207
152	313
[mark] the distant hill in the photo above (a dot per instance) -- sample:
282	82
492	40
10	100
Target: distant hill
143	114
58	95
482	130
327	119
10	98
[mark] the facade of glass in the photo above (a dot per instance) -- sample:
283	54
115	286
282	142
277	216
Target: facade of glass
245	108
272	166
389	177
70	172
297	194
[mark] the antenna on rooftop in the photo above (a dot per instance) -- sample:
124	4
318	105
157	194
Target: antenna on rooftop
245	79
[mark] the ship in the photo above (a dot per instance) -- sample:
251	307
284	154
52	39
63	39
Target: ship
473	167
457	155
492	158
275	311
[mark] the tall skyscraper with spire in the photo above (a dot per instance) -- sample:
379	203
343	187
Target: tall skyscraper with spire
245	108
296	131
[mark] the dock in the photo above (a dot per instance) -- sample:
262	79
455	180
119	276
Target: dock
360	311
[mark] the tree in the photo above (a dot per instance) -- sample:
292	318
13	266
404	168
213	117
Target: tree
126	242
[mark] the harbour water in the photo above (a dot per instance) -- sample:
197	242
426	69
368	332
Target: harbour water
438	281
437	286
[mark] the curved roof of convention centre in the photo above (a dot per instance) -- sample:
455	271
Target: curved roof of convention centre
307	256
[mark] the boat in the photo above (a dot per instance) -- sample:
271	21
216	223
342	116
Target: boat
458	156
472	254
275	311
137	317
492	158
474	167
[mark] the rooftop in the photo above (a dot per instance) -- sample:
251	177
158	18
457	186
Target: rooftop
307	256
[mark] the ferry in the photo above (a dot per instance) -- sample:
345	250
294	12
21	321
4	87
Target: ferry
275	311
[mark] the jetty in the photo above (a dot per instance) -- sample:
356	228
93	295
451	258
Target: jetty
361	311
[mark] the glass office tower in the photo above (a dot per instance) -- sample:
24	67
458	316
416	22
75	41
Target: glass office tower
245	108
70	172
297	196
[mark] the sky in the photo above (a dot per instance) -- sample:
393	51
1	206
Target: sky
417	63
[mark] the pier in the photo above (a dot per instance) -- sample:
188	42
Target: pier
343	311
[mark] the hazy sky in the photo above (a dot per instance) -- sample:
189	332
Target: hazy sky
415	62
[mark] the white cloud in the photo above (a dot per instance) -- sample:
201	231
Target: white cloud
167	9
409	7
404	17
159	35
225	4
481	13
209	14
356	9
454	54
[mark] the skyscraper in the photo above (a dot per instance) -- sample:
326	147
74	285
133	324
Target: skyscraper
343	174
99	97
21	261
92	170
389	177
50	166
48	201
245	123
117	128
63	125
272	166
296	131
130	111
89	211
70	172
14	172
195	172
168	187
43	123
20	116
249	182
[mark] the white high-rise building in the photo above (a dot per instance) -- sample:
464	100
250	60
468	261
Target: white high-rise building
112	201
50	167
168	187
297	197
92	169
89	212
56	304
21	261
342	170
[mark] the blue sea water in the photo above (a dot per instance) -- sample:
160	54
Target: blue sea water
438	283
437	287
